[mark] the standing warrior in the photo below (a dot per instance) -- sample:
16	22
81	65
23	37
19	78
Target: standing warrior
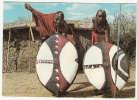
100	32
48	24
101	29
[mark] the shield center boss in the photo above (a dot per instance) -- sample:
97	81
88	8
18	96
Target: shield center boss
56	66
99	65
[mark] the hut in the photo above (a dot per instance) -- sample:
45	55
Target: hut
19	52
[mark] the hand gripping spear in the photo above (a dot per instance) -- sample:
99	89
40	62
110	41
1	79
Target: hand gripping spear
117	51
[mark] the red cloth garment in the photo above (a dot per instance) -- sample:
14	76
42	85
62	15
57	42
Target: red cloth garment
97	38
44	24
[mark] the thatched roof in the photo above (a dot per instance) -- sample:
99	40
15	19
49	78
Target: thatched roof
17	25
79	25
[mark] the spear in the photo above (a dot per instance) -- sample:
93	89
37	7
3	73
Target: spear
30	30
117	51
30	25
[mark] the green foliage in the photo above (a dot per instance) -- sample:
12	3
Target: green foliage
127	33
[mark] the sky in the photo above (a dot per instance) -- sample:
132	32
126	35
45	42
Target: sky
14	11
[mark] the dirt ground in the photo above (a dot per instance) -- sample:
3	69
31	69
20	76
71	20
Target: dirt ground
25	84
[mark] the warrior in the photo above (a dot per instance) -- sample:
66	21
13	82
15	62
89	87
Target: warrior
101	29
100	32
48	24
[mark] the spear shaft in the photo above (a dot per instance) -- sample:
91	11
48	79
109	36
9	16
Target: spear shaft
118	38
30	26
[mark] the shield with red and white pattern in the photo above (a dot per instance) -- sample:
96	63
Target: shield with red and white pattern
99	65
56	64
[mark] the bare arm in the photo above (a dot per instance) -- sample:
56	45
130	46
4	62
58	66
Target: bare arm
107	34
64	29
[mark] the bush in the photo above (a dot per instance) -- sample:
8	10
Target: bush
127	33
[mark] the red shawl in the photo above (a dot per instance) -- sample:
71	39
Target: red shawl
44	24
97	38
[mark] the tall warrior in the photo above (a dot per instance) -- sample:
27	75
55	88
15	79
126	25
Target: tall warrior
48	24
101	29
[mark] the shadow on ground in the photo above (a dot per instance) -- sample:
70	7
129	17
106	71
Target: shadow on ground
77	93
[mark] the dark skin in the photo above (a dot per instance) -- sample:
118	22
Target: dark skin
58	20
100	17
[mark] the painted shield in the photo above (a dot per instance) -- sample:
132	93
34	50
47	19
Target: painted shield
56	66
99	65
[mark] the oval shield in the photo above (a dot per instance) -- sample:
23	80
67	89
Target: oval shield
99	65
56	66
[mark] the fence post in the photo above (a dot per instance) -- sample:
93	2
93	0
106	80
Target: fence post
8	50
29	50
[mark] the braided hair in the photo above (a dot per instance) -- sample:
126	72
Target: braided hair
100	27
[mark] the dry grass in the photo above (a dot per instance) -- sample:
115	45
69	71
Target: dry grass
24	84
